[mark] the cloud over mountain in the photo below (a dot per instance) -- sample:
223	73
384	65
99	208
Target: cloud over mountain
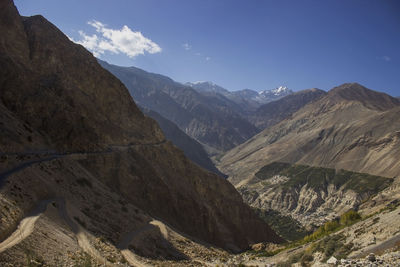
124	40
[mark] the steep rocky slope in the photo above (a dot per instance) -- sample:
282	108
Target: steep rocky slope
209	120
311	195
192	149
276	111
73	139
351	128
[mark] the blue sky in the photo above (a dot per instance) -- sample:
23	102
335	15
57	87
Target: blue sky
242	44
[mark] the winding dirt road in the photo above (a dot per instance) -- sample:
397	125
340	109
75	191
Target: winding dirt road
27	224
130	236
25	227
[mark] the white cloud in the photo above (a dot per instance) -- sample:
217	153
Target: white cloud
186	46
116	41
197	54
208	58
385	58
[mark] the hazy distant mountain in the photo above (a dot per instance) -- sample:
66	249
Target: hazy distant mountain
202	86
273	112
212	121
192	149
248	100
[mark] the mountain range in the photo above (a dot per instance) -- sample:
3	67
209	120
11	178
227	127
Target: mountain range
331	155
85	176
346	128
248	100
109	165
211	121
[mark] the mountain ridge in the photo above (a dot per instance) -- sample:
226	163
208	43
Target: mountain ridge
249	100
77	135
209	120
334	127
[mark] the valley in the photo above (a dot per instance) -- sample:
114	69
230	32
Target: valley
108	165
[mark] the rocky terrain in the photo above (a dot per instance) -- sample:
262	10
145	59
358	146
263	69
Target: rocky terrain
212	121
310	195
87	178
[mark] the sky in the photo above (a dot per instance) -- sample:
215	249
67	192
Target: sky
251	44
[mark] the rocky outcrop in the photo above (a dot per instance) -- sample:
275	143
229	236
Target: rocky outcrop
82	119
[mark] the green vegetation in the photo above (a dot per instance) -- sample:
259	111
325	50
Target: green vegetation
272	169
323	233
332	246
285	226
319	178
347	219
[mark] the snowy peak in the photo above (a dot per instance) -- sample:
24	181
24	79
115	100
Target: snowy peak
279	92
266	96
248	97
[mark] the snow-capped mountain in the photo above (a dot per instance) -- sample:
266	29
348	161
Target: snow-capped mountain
248	97
266	96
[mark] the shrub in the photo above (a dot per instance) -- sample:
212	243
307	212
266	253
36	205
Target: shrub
349	217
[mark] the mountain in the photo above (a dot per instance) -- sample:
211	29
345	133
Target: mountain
210	120
350	122
86	177
350	128
248	100
202	86
276	111
192	149
266	96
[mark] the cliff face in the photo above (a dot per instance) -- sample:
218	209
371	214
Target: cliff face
61	105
